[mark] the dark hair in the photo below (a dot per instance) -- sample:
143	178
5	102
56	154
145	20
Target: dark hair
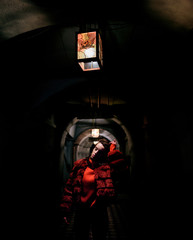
105	143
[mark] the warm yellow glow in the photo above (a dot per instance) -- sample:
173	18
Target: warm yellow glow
86	47
95	133
90	52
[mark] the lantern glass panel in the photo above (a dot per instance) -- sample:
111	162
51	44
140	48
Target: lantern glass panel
86	45
87	66
100	51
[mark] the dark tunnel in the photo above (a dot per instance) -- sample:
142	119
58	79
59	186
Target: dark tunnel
142	97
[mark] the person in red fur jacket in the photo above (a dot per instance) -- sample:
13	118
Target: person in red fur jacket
90	188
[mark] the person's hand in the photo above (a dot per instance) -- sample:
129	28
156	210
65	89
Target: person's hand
113	142
113	145
66	220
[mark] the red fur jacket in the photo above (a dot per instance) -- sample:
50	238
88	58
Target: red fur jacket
104	177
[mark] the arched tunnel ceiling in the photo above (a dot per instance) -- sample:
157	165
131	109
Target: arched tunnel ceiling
147	45
17	16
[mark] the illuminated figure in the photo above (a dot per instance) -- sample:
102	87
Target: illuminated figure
90	188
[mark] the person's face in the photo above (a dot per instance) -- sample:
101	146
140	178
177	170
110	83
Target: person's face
98	152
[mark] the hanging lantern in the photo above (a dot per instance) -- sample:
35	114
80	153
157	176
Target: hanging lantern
95	133
89	51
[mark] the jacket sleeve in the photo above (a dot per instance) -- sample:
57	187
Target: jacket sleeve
67	197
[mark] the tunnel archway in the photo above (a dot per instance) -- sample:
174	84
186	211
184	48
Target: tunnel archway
76	140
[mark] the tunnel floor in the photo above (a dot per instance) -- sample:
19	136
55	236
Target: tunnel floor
118	223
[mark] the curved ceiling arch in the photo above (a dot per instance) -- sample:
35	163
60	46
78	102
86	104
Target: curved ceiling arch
111	125
78	133
21	16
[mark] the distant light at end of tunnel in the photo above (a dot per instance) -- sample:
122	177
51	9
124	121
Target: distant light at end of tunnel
95	133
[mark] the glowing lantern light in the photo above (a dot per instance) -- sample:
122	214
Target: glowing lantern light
95	133
89	51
